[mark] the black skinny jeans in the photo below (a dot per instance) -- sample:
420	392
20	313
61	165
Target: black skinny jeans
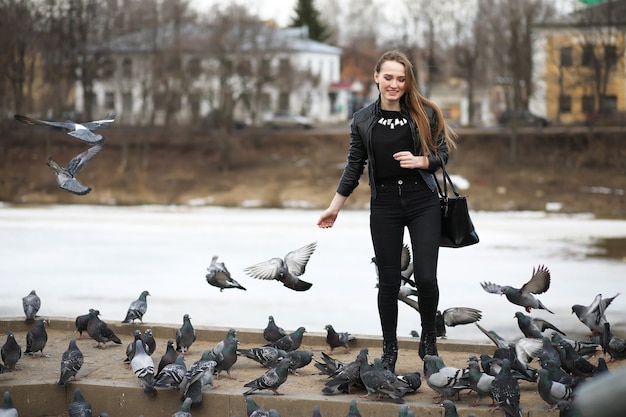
414	206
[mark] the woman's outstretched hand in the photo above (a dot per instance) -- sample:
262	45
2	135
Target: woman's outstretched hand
327	219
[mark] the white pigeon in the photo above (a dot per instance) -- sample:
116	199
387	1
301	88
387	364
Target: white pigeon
143	367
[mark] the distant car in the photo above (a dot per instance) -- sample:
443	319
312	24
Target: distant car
524	118
287	120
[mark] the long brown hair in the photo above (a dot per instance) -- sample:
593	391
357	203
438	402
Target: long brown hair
415	102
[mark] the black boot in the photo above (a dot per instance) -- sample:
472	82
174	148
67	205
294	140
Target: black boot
390	355
428	344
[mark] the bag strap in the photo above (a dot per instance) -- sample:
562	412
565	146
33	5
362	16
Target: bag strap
446	180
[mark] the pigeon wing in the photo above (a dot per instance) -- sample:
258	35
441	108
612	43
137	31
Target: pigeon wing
296	260
492	288
265	270
80	160
454	316
539	282
99	124
30	121
405	258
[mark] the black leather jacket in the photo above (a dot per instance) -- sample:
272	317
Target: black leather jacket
361	151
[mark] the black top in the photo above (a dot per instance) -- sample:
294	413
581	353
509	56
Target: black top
391	134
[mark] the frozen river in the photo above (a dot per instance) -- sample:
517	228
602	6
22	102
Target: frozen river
81	257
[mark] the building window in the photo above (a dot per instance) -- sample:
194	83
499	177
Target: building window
565	104
589	57
566	57
109	100
127	102
610	55
608	104
127	68
588	104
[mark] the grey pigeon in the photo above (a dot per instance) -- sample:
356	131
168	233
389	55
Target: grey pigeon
137	308
328	366
185	409
149	341
446	381
71	362
406	266
583	347
168	357
376	382
404	294
81	131
271	380
31	304
185	336
455	316
298	359
130	348
593	316
574	363
172	374
316	411
99	331
231	334
551	391
353	410
226	358
265	355
534	326
81	322
79	407
220	277
538	284
273	412
602	397
412	379
11	351
7	409
291	341
36	338
143	368
449	408
613	345
568	409
199	375
336	339
287	270
505	390
479	382
344	379
255	410
273	332
66	176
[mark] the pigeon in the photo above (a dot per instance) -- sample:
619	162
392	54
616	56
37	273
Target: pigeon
446	381
198	375
404	294
573	363
255	410
172	374
81	131
505	390
344	379
220	277
353	411
290	341
31	304
185	336
567	409
593	315
184	410
287	270
99	331
583	347
316	411
231	334
479	382
226	358
81	322
449	408
272	332
376	382
36	338
406	266
602	368
603	397
79	407
149	341
551	391
143	367
412	379
265	355
455	316
130	348
533	326
337	339
11	351
613	345
7	409
271	380
71	362
66	176
328	366
298	359
168	357
538	284
137	309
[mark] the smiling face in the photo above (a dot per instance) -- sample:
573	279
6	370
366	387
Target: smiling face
391	80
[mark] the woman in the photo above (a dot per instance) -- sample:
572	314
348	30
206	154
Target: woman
401	137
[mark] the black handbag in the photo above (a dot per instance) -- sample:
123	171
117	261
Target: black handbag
457	229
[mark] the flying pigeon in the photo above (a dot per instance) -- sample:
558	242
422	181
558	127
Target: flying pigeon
287	270
31	304
66	176
538	284
184	410
291	341
99	331
143	367
71	362
533	326
81	322
79	407
505	390
271	380
479	382
406	266
81	131
336	339
137	308
185	336
455	316
11	351
593	315
446	381
265	355
353	411
220	277
172	374
551	391
168	357
272	332
298	359
198	375
7	409
36	338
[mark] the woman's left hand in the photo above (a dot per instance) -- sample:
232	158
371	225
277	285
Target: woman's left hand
409	161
